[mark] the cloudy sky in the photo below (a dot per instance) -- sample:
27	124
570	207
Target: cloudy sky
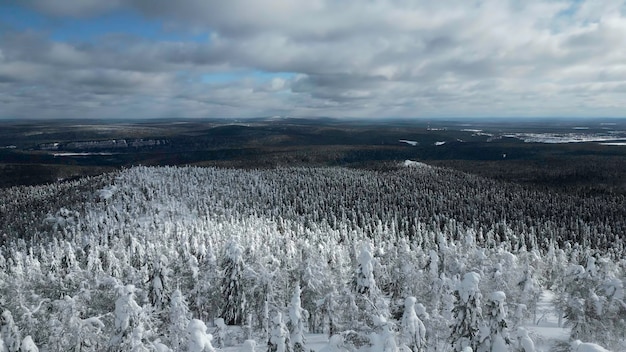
343	58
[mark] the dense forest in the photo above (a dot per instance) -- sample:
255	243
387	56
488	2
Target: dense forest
410	258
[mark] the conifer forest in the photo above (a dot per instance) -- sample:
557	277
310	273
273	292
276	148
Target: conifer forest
410	258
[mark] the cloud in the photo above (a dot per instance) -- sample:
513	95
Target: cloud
356	58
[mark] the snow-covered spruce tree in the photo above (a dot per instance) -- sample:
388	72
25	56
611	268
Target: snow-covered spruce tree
363	280
413	331
383	338
205	294
158	283
199	339
327	308
580	304
68	331
233	298
179	317
593	303
279	336
529	291
312	274
365	303
9	332
494	334
467	313
128	316
28	345
524	342
297	315
220	335
265	278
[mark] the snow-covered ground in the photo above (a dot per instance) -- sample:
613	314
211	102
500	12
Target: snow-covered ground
557	138
413	143
315	342
546	332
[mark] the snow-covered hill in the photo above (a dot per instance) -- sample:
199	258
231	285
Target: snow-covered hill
128	261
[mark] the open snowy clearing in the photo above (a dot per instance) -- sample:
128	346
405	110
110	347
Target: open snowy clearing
546	332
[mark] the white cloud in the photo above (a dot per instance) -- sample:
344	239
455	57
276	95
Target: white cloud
356	58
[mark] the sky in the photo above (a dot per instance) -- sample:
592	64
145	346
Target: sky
337	58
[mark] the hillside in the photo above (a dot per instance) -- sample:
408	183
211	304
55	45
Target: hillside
125	260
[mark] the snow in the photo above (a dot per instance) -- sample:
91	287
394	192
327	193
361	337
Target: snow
469	285
413	329
28	345
199	340
616	144
334	345
578	346
248	346
80	154
413	143
557	138
525	342
498	296
107	192
440	143
416	164
546	332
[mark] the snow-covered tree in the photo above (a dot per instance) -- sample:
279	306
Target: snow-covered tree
467	313
413	331
68	331
127	317
158	283
199	339
327	307
494	334
364	281
9	332
297	315
233	295
28	345
279	336
524	342
221	333
179	318
383	338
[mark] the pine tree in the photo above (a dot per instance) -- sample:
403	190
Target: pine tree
467	313
9	332
494	335
296	324
158	283
179	318
199	339
68	331
279	336
525	344
221	333
363	280
232	284
412	329
28	345
127	317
